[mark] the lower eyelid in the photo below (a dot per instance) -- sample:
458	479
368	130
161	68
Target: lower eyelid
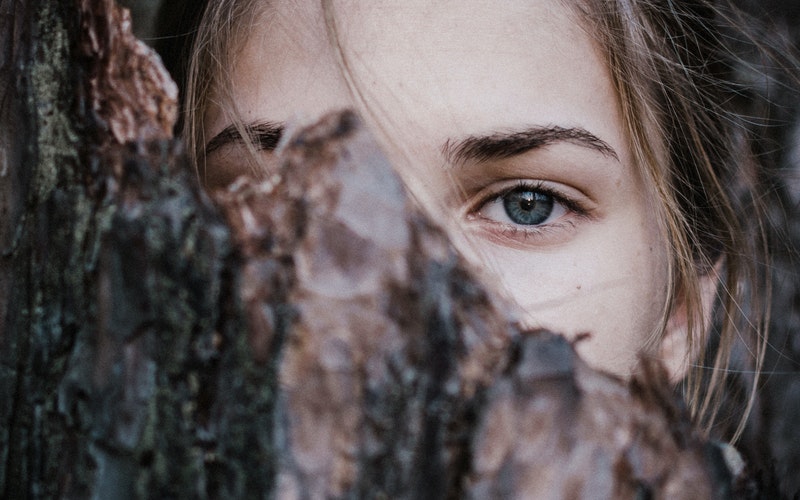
538	230
523	238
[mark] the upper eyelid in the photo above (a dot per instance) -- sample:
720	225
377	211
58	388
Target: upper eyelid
532	185
265	136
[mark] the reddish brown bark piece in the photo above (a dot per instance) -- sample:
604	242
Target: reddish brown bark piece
552	428
128	88
401	377
372	285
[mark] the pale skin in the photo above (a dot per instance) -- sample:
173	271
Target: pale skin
554	210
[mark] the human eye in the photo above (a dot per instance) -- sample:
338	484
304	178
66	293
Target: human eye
525	209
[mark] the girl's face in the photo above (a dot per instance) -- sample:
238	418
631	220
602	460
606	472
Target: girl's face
503	121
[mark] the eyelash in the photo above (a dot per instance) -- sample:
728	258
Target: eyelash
516	231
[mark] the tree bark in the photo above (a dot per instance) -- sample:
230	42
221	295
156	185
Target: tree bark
309	336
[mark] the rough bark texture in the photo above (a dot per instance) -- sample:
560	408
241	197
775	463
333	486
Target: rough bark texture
310	336
92	211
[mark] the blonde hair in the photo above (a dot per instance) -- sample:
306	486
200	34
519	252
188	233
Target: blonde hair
223	28
669	67
673	73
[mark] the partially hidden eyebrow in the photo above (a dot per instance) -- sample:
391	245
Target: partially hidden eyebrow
265	136
503	145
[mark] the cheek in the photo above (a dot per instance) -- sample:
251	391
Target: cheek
609	282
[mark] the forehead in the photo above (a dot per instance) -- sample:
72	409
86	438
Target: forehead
437	67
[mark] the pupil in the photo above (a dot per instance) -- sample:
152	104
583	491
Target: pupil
527	207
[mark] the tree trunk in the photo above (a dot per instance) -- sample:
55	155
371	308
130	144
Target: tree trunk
309	336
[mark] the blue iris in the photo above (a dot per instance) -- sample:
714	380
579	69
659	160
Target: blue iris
527	207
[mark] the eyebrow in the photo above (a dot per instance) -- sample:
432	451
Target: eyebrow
503	145
265	136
